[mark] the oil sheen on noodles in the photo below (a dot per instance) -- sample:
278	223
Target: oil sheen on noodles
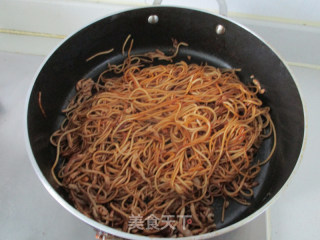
161	140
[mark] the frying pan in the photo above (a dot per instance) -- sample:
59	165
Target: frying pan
212	39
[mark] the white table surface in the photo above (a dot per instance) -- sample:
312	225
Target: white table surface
29	212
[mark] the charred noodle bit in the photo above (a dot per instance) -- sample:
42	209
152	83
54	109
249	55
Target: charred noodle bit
161	140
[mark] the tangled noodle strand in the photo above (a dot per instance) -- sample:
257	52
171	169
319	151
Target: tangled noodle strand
161	140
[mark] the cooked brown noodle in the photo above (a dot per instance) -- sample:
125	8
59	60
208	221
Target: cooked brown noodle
161	140
40	105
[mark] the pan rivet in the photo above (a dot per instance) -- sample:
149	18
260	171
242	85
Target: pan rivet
153	19
220	29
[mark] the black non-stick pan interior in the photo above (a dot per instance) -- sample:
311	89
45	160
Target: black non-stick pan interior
236	48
